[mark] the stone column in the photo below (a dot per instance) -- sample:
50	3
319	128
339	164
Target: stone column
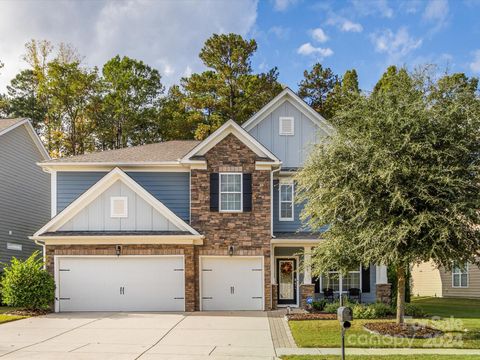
306	290
274	296
383	288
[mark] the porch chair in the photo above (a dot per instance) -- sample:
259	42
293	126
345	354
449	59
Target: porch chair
328	294
355	294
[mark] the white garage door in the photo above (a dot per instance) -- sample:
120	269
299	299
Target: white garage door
233	283
121	283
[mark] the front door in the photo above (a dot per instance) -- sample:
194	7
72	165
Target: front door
287	281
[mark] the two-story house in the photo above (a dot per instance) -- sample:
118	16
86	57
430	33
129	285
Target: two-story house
24	188
189	225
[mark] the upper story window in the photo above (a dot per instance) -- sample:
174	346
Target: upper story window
118	207
460	275
286	201
231	192
286	126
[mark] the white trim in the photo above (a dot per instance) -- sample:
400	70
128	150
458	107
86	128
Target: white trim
105	167
124	199
91	194
297	262
287	93
460	275
121	239
57	277
31	131
220	192
307	265
288	183
281	130
53	193
230	127
232	257
294	242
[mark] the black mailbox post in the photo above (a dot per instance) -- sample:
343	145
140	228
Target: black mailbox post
345	316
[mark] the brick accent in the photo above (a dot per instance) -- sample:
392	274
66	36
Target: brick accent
306	290
248	232
274	296
187	251
384	293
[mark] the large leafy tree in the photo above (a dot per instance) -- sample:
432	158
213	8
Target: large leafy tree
399	182
126	111
228	89
318	87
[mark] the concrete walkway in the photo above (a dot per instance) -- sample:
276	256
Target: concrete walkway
145	336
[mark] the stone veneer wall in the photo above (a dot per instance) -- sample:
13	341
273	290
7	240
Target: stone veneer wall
187	251
248	232
306	290
383	293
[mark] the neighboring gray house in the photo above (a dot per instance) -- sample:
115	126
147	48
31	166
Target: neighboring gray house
24	188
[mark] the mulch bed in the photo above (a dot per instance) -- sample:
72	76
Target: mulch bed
416	331
312	316
24	312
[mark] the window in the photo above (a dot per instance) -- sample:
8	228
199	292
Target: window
460	275
230	192
334	280
286	126
118	207
286	201
16	247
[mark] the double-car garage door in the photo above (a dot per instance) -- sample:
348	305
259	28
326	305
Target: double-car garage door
156	283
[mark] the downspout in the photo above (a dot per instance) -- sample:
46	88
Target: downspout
42	244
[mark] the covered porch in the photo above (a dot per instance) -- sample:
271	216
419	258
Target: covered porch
293	283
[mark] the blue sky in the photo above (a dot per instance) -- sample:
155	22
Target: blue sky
367	35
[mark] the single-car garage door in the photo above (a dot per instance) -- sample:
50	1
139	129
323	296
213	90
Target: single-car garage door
232	283
121	283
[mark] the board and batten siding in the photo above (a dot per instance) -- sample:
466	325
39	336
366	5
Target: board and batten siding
141	216
24	193
171	188
292	150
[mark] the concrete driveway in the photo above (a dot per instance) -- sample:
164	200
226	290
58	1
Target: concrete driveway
146	336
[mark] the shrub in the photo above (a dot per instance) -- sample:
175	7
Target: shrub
319	305
414	310
333	306
27	285
371	311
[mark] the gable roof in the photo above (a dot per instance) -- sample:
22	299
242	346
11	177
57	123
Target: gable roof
163	152
231	127
301	105
103	184
7	125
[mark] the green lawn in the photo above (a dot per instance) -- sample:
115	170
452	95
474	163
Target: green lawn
461	331
7	318
381	357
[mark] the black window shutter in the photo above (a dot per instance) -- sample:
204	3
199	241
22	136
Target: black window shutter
247	192
214	196
365	279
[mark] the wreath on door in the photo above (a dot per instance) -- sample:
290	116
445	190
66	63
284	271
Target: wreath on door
286	268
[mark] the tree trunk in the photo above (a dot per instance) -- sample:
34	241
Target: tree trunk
400	293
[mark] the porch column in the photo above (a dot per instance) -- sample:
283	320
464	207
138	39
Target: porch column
381	274
307	264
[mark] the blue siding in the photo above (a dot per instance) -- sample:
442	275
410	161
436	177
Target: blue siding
286	226
171	188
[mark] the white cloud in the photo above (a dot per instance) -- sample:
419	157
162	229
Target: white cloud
319	35
475	64
436	10
280	32
282	5
373	7
344	24
395	45
167	35
309	49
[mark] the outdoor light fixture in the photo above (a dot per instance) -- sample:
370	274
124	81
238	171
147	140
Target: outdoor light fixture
230	250
118	250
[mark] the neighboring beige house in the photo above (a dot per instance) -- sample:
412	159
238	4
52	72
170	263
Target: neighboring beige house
463	281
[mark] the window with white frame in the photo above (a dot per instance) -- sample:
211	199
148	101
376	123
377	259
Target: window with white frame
335	280
118	207
286	201
286	125
230	192
460	275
